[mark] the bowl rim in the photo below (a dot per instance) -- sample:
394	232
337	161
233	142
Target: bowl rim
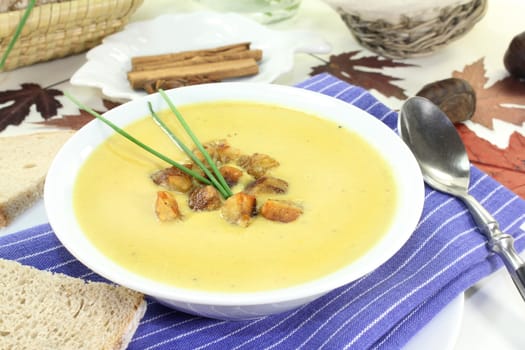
61	177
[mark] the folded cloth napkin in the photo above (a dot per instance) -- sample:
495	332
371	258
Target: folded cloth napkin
445	255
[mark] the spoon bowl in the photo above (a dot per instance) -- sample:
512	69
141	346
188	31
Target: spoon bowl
436	145
443	160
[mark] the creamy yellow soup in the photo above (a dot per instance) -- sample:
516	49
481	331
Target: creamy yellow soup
345	187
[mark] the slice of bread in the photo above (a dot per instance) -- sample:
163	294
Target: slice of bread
44	310
24	161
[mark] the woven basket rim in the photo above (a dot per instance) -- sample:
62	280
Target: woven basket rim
55	30
411	37
10	19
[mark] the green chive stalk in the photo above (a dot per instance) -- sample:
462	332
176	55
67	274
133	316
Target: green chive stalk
137	142
18	31
223	191
197	142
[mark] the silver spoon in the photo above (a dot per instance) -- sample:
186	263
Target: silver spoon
443	160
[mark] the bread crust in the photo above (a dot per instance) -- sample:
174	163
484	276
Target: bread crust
44	310
25	161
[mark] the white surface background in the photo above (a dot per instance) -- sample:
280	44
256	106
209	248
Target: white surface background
494	313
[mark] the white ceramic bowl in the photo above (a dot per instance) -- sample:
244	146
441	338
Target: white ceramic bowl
64	169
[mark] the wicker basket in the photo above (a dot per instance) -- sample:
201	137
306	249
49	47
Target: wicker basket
413	36
60	29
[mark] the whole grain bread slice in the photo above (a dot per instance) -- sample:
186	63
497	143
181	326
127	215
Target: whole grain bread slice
44	310
24	162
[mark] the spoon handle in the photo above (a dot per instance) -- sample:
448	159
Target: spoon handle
503	244
499	242
486	222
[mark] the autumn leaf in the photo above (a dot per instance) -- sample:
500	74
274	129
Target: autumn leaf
76	121
110	104
504	100
19	103
72	121
505	165
345	67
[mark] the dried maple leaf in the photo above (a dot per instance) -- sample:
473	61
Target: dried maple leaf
20	101
505	165
71	121
501	100
76	121
110	104
344	66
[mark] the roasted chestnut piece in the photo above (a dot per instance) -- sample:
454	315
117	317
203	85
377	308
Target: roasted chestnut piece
514	58
455	97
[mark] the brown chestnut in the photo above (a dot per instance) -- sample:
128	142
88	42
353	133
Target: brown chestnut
514	58
455	97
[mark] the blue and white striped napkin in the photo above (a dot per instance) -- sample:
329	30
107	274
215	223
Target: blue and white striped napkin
445	256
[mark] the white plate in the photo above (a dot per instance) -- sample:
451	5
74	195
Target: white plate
108	63
441	333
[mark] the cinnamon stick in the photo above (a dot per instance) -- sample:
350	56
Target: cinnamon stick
172	57
154	86
213	71
195	60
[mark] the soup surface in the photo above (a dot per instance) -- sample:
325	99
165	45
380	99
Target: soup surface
346	189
